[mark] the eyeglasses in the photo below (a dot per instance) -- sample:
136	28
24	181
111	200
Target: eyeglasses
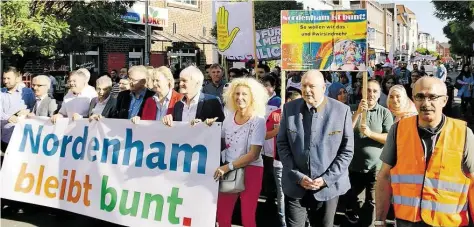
420	97
38	85
133	81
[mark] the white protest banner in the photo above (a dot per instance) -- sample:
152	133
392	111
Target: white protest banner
268	42
234	27
134	175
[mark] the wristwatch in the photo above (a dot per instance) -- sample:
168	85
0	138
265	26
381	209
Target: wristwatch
379	223
231	166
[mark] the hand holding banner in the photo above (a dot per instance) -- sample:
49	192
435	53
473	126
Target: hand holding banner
134	175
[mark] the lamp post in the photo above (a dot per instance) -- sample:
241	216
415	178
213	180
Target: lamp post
147	35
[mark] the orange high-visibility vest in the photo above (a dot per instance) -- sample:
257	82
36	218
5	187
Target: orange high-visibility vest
435	192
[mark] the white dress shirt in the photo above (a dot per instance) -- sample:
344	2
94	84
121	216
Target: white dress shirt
162	108
38	103
100	106
189	112
78	103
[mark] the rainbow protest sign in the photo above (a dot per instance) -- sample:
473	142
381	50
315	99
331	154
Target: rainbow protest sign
134	175
324	40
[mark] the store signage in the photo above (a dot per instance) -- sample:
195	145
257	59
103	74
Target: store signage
157	17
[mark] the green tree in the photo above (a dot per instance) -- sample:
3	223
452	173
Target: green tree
459	15
34	30
267	13
422	50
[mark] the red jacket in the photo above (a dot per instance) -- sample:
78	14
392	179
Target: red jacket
149	109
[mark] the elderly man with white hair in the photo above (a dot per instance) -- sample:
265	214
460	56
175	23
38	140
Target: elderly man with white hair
76	101
104	104
86	72
45	105
195	106
130	102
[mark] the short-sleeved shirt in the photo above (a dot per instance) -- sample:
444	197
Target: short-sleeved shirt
366	150
78	103
239	138
429	138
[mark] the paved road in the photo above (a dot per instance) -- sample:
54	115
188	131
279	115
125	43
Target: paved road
43	217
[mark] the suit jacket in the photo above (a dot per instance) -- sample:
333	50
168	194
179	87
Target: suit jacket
108	109
209	106
47	108
149	110
317	146
123	104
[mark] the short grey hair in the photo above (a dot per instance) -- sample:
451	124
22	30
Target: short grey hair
43	77
139	68
86	72
81	74
104	80
194	73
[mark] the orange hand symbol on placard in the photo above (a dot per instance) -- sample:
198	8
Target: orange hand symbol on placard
224	38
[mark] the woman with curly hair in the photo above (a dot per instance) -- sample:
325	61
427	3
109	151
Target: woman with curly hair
243	132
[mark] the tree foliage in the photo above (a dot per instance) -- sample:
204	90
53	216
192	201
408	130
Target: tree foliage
459	15
425	51
43	29
267	13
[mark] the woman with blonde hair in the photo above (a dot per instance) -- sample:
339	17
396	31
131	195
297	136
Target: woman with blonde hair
400	104
243	132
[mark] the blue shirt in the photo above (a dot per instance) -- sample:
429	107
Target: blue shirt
162	109
27	95
11	103
135	103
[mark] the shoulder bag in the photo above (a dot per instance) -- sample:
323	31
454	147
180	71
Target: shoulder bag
234	180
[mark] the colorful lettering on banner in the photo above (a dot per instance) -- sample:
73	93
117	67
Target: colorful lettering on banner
324	39
268	42
133	175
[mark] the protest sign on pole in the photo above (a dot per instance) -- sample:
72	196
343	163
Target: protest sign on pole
324	40
268	45
132	175
234	27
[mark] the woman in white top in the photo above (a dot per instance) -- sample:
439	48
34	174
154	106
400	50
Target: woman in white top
243	132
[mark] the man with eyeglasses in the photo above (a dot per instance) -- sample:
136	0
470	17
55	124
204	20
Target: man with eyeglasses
130	102
45	105
427	165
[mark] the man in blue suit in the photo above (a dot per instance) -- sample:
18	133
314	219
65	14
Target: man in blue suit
316	145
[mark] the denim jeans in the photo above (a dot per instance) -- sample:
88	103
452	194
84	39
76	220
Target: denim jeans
277	173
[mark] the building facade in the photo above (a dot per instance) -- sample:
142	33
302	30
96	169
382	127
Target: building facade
412	29
443	49
187	39
425	40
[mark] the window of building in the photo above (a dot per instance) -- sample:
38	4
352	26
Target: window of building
186	2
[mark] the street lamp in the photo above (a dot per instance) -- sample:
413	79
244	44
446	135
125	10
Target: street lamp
147	35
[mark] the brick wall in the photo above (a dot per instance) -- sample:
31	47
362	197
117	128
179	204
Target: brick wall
188	20
113	45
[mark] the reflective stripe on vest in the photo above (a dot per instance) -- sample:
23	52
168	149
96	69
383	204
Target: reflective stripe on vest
429	205
434	191
429	182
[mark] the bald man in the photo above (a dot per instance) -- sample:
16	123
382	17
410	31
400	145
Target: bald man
428	165
315	144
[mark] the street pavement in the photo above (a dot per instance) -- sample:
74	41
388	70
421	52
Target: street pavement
47	217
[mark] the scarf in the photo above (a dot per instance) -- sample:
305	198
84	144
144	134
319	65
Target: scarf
407	107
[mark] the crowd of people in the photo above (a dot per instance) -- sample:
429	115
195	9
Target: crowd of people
326	149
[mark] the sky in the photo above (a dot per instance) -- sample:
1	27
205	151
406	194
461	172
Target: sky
427	22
